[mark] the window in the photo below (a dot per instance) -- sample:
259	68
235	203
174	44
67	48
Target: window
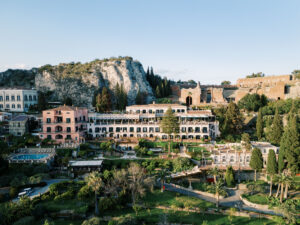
190	129
7	98
34	98
25	98
150	110
144	110
103	129
183	129
13	106
111	129
248	158
30	98
26	105
231	159
19	125
224	159
124	129
48	129
204	129
7	106
13	98
197	129
131	129
68	120
1	98
118	129
18	98
97	130
151	129
1	106
69	136
138	129
69	129
48	120
49	137
144	129
157	129
19	106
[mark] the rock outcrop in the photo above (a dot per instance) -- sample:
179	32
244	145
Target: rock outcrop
80	81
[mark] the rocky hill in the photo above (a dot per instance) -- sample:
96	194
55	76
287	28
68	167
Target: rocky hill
80	81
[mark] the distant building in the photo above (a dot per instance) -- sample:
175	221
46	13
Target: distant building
17	99
5	116
18	125
143	121
65	124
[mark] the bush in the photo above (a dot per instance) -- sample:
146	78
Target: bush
39	211
92	221
107	203
85	192
25	221
13	191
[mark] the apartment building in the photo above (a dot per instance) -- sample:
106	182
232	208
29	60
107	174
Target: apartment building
143	121
18	125
17	99
235	155
65	124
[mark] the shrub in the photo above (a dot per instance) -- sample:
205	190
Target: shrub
85	192
13	192
107	203
92	221
25	221
39	211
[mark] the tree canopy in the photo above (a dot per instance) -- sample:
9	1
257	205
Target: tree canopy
252	102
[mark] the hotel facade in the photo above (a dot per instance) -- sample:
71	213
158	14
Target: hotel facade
17	99
65	124
143	121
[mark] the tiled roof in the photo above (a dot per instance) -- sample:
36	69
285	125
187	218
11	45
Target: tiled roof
20	118
66	108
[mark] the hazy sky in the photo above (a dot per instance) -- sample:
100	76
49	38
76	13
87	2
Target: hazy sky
208	41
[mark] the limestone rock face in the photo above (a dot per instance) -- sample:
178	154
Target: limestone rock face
80	81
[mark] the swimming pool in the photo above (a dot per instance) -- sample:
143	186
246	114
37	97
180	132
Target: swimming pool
30	156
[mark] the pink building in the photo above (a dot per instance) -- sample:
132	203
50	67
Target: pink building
65	124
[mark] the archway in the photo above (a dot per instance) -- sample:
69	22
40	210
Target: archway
189	101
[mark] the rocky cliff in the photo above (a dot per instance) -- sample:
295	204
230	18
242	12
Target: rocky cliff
80	81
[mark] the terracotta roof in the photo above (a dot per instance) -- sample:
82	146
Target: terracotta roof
157	105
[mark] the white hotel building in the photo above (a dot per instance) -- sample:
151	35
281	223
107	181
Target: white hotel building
142	121
17	99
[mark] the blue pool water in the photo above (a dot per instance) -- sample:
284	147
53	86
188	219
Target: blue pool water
31	156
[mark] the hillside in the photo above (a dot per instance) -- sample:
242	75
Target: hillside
80	81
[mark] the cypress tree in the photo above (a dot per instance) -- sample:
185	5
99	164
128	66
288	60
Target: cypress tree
105	100
256	161
277	129
290	147
229	177
42	103
157	92
98	102
246	141
271	167
233	123
259	125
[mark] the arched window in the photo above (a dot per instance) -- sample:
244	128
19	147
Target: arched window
30	98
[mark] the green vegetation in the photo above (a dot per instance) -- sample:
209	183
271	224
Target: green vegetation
275	134
229	177
258	198
161	87
252	102
169	125
256	161
253	75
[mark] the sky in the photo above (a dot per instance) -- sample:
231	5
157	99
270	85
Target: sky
204	40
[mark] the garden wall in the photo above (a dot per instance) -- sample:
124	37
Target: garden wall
251	204
197	192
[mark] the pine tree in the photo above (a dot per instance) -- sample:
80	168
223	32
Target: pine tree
259	125
229	177
42	103
256	161
169	124
277	129
271	167
233	120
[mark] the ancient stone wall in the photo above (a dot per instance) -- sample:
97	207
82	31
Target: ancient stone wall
194	93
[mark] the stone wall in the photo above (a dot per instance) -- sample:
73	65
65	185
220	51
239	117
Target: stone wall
194	93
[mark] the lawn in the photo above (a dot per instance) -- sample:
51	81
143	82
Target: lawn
61	222
154	216
72	204
170	198
258	198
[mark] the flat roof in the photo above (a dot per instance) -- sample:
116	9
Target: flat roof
86	163
156	105
20	118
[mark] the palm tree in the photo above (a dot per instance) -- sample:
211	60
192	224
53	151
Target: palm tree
162	176
280	180
288	182
95	182
218	188
214	172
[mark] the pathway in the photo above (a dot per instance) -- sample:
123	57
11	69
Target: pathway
232	201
